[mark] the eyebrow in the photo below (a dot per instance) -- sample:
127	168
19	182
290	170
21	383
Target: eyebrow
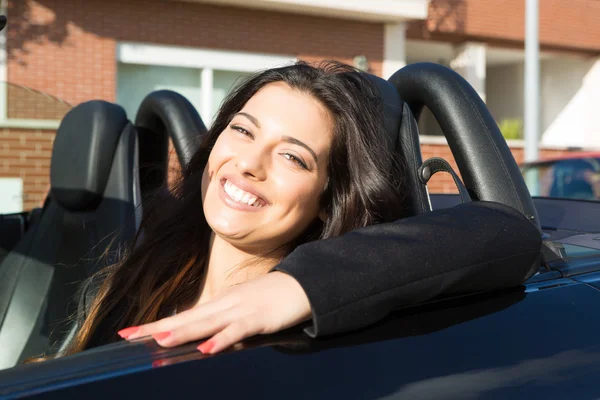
292	140
252	118
287	139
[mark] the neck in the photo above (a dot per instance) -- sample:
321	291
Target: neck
228	265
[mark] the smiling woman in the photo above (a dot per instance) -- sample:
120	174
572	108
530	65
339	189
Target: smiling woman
267	170
296	154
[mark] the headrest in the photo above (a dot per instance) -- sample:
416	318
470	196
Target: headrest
83	154
403	140
392	109
485	162
165	115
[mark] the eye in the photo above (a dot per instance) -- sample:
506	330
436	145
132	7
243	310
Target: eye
242	131
295	160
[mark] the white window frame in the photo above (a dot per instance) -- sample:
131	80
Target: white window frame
206	60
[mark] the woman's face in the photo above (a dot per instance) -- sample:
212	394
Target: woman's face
267	170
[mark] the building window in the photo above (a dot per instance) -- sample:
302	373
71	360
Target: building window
135	81
223	82
204	77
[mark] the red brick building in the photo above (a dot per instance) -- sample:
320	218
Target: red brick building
120	50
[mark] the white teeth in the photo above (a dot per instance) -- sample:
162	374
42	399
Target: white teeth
238	194
246	198
241	196
229	189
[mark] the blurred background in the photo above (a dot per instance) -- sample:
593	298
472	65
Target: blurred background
58	53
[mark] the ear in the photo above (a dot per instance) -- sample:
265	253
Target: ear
323	216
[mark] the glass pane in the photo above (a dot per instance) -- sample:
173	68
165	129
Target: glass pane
576	178
223	82
135	81
580	251
26	103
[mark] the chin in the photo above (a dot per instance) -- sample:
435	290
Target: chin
226	229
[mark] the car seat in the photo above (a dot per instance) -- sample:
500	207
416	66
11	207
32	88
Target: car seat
94	209
484	160
403	134
94	192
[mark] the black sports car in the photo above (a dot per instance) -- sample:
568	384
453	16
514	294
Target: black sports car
539	340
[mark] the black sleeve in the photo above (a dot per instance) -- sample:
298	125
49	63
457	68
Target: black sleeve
358	278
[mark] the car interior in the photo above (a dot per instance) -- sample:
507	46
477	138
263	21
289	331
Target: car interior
103	166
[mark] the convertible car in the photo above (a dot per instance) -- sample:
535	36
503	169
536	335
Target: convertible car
539	340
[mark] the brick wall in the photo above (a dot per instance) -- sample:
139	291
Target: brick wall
66	48
564	24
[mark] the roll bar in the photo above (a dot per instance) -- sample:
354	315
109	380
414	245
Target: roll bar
485	162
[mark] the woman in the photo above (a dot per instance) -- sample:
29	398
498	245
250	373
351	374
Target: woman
295	154
305	147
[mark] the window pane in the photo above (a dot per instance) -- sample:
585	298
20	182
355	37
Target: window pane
223	82
135	81
577	178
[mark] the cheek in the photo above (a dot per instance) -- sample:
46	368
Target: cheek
219	155
208	173
205	180
302	196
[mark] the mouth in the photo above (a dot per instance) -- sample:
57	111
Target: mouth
241	196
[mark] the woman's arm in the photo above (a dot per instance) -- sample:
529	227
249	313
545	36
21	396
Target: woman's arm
358	278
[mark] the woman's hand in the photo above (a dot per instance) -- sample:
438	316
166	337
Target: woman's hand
263	305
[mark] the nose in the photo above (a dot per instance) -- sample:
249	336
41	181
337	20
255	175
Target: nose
252	163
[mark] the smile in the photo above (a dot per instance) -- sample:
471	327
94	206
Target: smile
241	196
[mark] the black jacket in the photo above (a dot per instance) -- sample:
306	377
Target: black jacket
356	279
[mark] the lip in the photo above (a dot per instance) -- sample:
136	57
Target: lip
245	187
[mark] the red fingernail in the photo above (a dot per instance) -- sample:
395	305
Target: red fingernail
206	347
125	333
158	363
161	336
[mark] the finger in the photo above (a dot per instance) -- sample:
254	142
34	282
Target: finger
173	322
162	325
195	330
227	337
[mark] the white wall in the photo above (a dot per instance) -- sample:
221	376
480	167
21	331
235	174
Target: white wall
504	89
570	91
570	102
11	195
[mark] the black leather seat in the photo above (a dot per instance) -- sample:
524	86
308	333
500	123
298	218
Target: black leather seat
102	167
94	194
403	133
485	162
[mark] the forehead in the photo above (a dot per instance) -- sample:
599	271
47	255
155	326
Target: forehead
281	110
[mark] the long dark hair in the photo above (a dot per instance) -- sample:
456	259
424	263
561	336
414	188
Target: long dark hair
163	268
